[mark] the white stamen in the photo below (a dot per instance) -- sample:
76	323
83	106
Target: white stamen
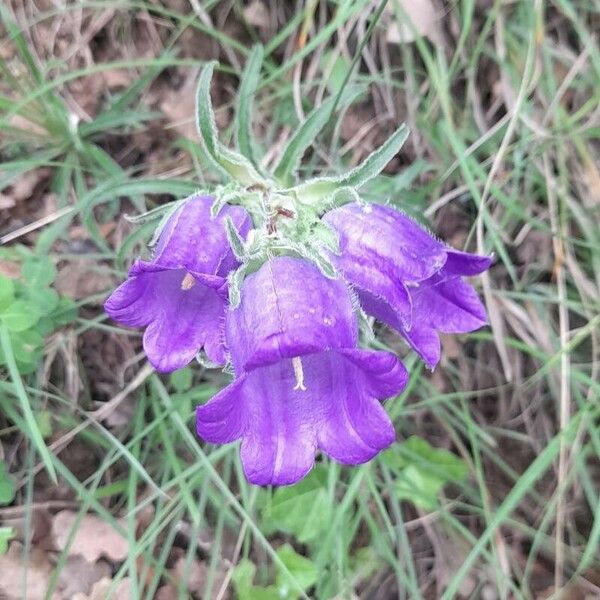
298	373
188	282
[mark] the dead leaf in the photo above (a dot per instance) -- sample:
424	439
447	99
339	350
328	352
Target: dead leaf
6	202
93	539
256	14
116	78
421	14
166	592
102	590
196	576
9	269
79	279
38	568
78	575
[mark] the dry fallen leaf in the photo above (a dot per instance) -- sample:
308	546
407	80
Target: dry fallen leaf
38	568
78	575
12	270
6	202
78	279
195	578
256	14
421	14
102	590
166	592
93	539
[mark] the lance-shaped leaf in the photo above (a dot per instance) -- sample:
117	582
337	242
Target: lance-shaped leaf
227	161
306	134
235	239
235	279
243	117
320	189
149	215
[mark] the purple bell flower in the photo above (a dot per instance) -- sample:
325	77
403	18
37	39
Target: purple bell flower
405	277
301	382
180	295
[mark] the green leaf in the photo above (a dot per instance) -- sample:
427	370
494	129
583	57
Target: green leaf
317	190
19	315
32	429
243	578
182	379
419	487
302	510
337	71
45	300
6	534
303	570
7	487
38	272
306	134
445	464
7	291
27	345
227	161
422	471
65	312
248	85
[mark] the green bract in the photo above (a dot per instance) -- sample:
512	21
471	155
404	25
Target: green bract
286	212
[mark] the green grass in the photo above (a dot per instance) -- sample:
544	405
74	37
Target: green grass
517	402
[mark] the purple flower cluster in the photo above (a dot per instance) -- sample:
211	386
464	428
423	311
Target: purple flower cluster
301	382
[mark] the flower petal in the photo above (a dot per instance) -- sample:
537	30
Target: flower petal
279	442
222	419
450	306
465	264
385	375
425	341
380	246
193	240
180	322
288	309
282	423
355	426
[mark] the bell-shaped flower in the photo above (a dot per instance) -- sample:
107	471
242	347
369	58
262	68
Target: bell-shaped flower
301	382
180	296
405	277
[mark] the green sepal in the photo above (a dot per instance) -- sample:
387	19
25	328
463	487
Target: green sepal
319	190
306	134
236	242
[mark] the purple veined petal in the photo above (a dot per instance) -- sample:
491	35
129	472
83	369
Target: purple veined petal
385	374
356	426
465	264
216	282
283	424
193	240
288	308
179	321
381	249
222	420
389	239
450	306
425	341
